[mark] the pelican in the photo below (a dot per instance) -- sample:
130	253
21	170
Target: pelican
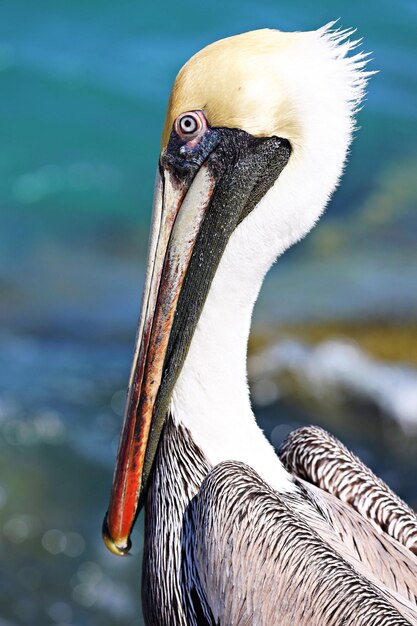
256	135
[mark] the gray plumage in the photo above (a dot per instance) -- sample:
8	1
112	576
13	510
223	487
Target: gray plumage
222	548
318	457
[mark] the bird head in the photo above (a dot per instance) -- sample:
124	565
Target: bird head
256	134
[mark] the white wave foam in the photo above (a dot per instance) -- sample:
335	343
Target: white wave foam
338	369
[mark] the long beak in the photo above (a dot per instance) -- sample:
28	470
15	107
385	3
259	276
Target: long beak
177	216
193	219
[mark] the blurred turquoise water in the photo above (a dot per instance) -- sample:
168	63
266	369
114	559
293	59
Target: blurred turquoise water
84	88
84	85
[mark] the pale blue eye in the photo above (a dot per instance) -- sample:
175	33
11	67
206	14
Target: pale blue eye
189	124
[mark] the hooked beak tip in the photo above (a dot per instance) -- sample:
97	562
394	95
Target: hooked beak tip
121	548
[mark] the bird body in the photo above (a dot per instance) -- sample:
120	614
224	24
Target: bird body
256	135
223	547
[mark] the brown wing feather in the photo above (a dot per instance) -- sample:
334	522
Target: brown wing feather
316	456
267	558
371	552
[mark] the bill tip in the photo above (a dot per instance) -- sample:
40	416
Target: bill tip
120	547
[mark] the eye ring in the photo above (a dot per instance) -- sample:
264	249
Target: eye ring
189	125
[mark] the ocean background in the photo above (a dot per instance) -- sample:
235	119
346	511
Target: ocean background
83	90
